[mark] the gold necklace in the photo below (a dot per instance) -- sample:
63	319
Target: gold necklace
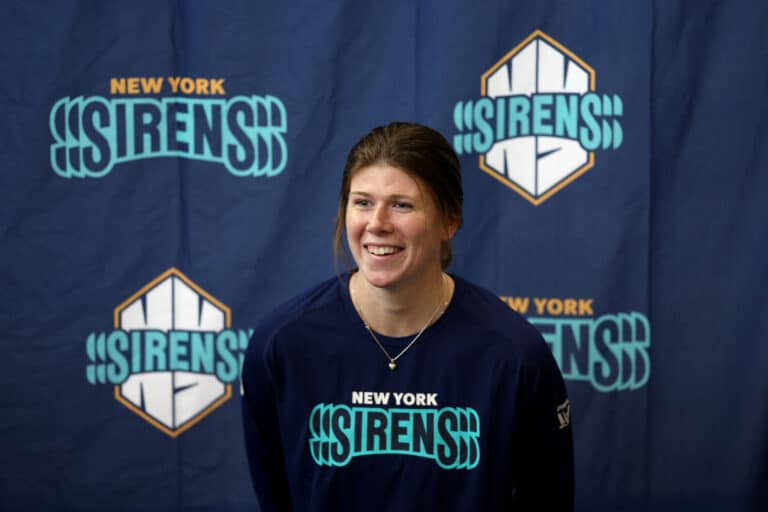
393	360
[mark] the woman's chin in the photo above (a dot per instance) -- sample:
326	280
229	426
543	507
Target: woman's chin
380	279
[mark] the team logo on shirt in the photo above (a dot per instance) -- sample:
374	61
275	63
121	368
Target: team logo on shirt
168	116
172	356
539	119
415	426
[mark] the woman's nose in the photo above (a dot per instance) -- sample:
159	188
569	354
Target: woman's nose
379	219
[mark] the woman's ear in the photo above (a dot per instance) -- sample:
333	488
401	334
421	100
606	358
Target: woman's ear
450	226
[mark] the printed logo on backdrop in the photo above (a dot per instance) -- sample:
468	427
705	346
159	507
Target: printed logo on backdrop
539	119
168	116
610	351
172	356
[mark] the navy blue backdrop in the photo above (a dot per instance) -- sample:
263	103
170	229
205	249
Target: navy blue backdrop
169	172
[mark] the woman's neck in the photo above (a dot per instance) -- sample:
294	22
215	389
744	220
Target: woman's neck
404	310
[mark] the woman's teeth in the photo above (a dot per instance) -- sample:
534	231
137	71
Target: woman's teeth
381	251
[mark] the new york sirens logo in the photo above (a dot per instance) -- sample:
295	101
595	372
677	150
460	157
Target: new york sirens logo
416	426
172	355
246	134
610	351
539	120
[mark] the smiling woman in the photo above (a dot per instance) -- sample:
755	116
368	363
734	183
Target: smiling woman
325	377
395	234
420	152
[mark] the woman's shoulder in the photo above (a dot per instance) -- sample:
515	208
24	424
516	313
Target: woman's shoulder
499	324
478	301
300	308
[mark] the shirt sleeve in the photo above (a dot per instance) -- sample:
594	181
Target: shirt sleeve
262	432
547	475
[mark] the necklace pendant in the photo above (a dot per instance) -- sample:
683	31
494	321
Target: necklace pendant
392	365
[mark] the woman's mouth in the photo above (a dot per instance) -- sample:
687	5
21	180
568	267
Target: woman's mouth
382	250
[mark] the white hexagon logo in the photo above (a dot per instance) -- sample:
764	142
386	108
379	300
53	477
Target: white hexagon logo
537	166
172	401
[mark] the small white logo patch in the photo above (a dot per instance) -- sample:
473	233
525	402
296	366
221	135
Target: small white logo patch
564	414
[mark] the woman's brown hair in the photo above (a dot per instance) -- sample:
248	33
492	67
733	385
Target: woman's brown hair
419	151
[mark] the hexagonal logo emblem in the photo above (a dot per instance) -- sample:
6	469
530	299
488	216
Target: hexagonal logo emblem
539	120
172	355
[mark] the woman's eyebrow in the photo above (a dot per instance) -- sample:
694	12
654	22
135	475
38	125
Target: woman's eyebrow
393	196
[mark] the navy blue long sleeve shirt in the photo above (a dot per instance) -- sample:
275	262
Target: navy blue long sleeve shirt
475	417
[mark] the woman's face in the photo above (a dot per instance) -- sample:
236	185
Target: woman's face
394	227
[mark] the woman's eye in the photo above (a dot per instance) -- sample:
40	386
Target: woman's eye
361	202
401	205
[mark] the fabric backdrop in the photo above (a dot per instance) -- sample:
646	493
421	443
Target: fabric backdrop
169	172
